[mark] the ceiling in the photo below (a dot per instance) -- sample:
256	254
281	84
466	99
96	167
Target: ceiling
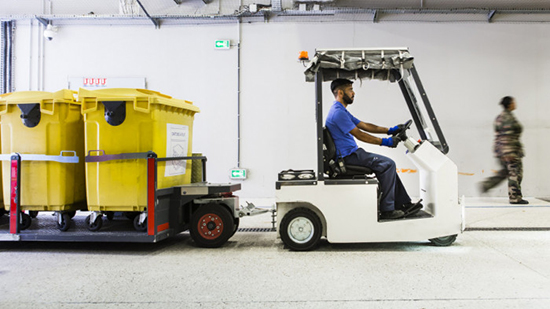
166	12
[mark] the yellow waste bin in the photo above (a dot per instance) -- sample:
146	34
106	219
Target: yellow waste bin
125	120
47	129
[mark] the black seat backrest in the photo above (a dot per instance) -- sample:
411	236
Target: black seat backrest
330	157
333	164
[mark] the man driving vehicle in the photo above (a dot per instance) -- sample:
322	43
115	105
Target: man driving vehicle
395	203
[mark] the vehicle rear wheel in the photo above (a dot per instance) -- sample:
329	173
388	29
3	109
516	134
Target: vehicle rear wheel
211	225
443	241
301	229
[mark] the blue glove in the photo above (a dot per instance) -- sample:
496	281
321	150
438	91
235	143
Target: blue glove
396	130
390	142
393	130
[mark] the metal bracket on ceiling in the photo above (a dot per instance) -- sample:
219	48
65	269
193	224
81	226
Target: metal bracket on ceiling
491	15
43	21
154	20
178	2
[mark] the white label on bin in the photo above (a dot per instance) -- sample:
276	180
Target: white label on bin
177	142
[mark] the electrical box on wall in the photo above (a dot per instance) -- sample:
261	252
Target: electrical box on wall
238	173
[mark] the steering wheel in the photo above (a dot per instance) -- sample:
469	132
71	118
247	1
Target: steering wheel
403	134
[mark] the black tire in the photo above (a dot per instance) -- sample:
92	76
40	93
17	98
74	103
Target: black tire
211	225
443	241
65	222
131	215
3	212
33	213
140	227
301	229
96	226
25	221
72	214
110	215
236	222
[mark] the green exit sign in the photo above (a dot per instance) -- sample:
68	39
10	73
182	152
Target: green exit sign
238	173
222	44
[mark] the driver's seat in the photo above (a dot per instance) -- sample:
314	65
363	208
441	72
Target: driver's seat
334	165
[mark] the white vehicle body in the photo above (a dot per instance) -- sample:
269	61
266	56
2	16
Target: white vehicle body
349	212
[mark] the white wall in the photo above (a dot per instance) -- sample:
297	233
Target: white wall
465	68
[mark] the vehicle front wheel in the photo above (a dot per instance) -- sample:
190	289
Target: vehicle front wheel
301	229
443	241
211	225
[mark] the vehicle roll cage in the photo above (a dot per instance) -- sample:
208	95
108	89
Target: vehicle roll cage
392	64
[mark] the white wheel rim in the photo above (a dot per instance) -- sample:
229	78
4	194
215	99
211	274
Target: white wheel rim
300	230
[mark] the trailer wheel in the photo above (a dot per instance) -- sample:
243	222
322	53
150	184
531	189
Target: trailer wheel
65	222
96	225
140	227
25	221
301	229
236	222
443	241
211	225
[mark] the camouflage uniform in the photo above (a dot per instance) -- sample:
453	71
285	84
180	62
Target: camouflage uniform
509	150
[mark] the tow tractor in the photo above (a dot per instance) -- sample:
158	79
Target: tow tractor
341	202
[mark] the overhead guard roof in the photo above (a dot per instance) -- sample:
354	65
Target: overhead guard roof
359	63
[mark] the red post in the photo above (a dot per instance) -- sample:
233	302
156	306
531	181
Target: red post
15	196
151	195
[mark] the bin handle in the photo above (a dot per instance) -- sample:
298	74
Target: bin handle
44	104
3	107
98	150
89	105
142	101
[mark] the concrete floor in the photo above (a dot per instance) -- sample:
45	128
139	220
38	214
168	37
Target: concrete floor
506	267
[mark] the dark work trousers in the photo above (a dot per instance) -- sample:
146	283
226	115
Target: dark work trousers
394	194
513	170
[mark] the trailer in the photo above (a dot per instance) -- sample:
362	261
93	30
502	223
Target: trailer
209	211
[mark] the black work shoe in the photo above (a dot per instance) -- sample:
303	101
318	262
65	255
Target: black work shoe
412	208
521	202
393	214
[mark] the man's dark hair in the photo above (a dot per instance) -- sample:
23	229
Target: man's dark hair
506	101
339	83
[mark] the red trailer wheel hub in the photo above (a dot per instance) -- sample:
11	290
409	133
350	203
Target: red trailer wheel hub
210	226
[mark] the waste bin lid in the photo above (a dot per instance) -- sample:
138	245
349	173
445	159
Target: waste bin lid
122	94
25	97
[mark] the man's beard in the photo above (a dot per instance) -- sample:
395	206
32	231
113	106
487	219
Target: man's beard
347	99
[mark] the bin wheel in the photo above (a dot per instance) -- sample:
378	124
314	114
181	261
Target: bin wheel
131	215
443	241
236	222
96	225
65	222
110	215
25	221
72	214
140	227
301	229
3	212
33	213
211	225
